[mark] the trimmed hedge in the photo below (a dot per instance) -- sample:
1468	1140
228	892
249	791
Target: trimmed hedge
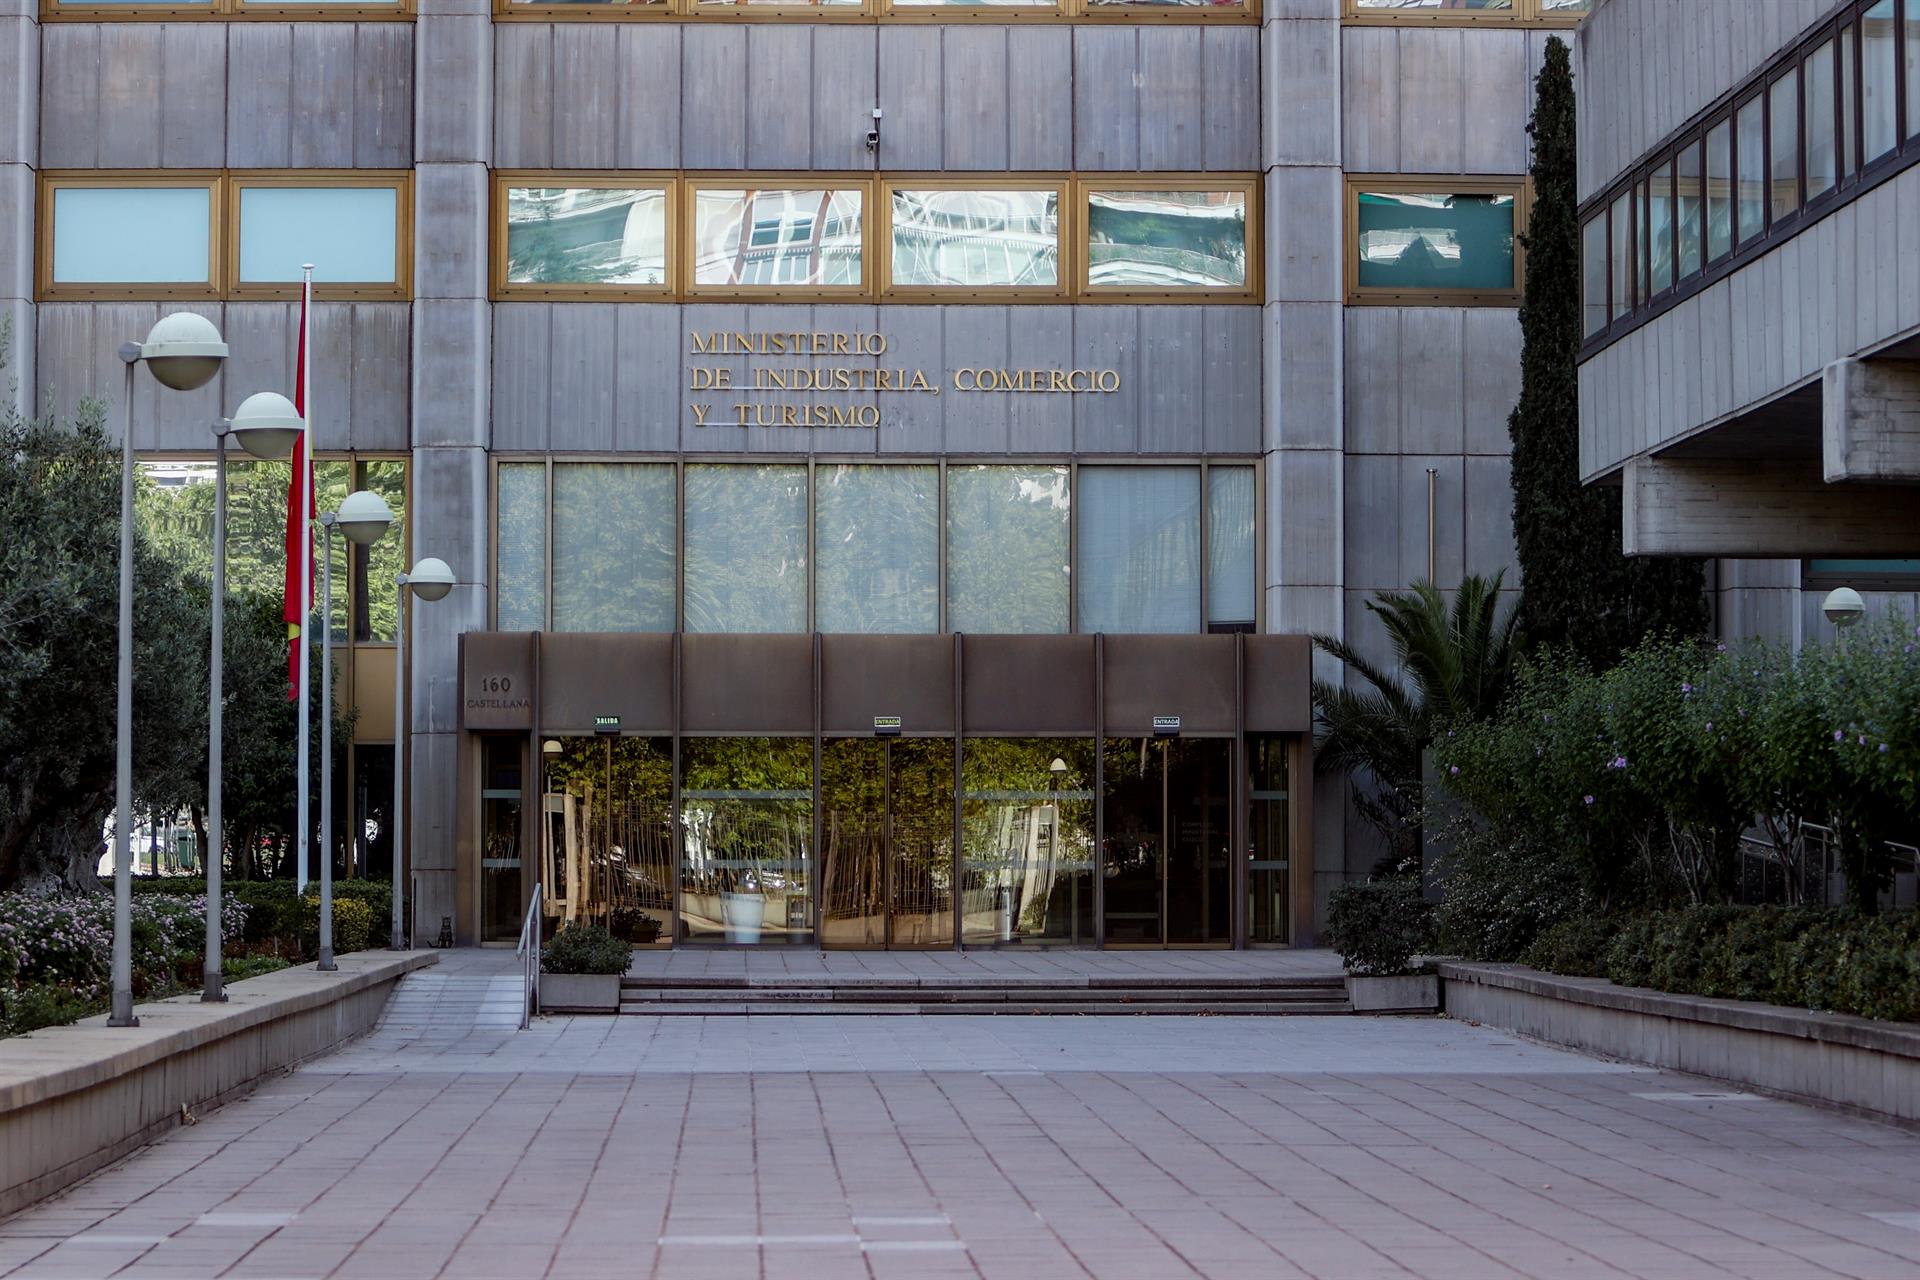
1378	926
586	948
276	912
1808	958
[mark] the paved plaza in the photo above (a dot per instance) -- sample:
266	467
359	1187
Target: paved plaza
1010	1148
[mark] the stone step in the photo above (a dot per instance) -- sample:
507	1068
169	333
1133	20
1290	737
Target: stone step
998	1008
984	995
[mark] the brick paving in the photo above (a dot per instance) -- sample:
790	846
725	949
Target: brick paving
997	1148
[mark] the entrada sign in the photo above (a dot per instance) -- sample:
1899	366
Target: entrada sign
852	379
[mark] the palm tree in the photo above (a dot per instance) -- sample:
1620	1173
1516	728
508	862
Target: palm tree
1457	662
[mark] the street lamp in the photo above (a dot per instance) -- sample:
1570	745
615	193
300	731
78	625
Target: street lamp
184	352
431	580
1843	607
266	426
363	517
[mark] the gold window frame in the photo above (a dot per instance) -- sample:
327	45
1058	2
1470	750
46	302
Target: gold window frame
226	11
504	290
399	181
46	289
690	189
1086	291
873	11
1063	239
1525	13
1521	189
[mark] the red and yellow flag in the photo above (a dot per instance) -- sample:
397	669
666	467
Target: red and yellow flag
294	610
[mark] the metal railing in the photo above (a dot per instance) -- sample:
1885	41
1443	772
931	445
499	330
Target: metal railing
1808	870
529	953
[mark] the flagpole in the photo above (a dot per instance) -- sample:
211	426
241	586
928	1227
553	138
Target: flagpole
304	483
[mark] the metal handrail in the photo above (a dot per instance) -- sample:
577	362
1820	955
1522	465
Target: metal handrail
529	952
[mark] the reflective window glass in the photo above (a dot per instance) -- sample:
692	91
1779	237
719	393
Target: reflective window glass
1621	223
877	549
1660	226
613	546
347	233
1405	6
1007	549
1270	839
1719	190
1230	557
946	238
1849	130
1880	129
1167	239
1911	43
1642	238
971	4
746	548
1027	827
1817	84
376	564
1424	241
1166	4
721	6
1783	149
1688	209
587	235
132	235
746	830
781	238
1750	124
520	554
1593	275
1139	549
1565	8
607	838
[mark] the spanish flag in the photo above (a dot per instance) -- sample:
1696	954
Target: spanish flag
299	522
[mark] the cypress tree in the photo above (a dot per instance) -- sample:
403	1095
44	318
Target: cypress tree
1582	596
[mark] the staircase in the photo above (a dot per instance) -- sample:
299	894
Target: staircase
656	995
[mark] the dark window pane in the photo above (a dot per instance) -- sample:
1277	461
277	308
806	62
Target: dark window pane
1420	241
1719	190
1622	258
1751	182
1689	209
1879	129
1593	275
1821	156
1783	123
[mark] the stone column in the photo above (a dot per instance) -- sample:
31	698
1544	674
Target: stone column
19	157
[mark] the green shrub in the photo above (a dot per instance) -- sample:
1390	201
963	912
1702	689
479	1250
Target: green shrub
1378	926
1501	894
29	1008
585	948
240	968
1576	948
278	915
352	925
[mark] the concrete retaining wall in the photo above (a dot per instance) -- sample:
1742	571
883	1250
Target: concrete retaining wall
73	1099
1828	1058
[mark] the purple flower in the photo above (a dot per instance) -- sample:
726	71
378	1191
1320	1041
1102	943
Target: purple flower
1839	736
1453	769
1883	748
1685	688
1709	726
1589	799
1720	648
1863	739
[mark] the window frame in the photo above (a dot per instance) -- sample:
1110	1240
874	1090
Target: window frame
690	188
1812	579
507	179
1082	189
1244	12
226	11
1357	184
399	181
52	181
1525	13
1065	266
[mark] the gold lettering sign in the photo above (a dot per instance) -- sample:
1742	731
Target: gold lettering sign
803	362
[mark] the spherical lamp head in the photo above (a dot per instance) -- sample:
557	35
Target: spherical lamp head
431	579
266	425
1843	606
184	351
363	517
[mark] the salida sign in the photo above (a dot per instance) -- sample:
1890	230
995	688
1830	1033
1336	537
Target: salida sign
763	366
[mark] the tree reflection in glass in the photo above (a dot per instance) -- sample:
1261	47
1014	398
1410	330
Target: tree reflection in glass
746	832
1007	549
1027	832
607	834
1167	239
587	235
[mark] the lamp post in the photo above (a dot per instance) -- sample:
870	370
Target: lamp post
431	580
363	517
265	425
184	352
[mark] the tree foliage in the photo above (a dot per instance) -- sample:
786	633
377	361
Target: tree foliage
1582	595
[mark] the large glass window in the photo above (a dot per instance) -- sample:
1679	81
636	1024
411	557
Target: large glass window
1688	210
1419	242
746	830
1642	243
349	234
877	549
773	238
585	236
1554	12
1027	841
1879	126
1822	169
1719	193
1783	125
1849	125
746	534
606	813
132	235
501	865
1593	275
613	546
1750	122
520	558
1167	840
1230	551
948	238
1911	43
886	831
1620	222
376	565
1007	549
1660	226
1139	550
1270	842
1151	240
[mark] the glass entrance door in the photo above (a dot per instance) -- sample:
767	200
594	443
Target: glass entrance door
887	839
1168	841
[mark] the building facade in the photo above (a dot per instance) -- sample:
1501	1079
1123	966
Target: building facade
893	455
1750	226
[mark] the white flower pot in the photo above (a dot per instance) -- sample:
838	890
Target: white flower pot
745	914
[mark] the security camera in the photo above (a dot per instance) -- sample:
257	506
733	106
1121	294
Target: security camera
873	134
1843	606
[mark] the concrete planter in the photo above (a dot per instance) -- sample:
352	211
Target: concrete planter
1403	993
579	993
